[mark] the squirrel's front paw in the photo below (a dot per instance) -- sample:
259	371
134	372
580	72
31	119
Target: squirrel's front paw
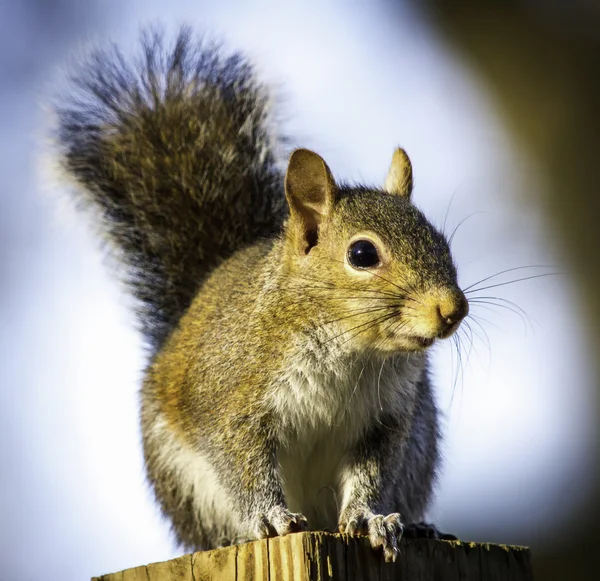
279	521
383	531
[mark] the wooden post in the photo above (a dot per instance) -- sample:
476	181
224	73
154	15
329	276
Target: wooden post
326	557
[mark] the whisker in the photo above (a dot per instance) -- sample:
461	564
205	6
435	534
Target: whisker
374	323
347	406
378	276
473	290
448	212
389	324
476	320
370	324
487	308
331	286
458	368
322	291
460	224
357	298
476	334
512	303
470	336
463	335
489	350
358	313
523	316
462	332
504	272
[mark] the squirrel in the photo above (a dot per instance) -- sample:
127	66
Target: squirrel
288	315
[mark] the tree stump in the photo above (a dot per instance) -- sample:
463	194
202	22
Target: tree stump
318	556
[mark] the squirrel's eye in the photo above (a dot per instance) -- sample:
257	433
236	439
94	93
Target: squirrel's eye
363	254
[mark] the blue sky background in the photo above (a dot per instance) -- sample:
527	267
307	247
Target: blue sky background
353	82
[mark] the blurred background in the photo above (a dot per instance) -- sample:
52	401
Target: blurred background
497	104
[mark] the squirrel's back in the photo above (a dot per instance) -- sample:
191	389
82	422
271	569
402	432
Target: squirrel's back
176	152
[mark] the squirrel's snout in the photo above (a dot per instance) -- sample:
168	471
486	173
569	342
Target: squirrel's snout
437	313
451	310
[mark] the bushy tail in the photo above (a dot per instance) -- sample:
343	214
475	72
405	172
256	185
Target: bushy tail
176	151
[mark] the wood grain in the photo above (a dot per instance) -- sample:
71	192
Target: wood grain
326	557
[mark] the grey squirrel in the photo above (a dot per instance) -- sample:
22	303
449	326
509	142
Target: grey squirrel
288	315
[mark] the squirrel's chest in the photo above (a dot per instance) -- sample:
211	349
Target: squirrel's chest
313	400
322	414
310	472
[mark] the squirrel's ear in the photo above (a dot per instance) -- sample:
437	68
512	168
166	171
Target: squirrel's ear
399	180
310	192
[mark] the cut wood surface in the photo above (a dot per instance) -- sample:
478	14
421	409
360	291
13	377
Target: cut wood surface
325	557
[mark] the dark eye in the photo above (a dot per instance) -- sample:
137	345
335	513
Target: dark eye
363	254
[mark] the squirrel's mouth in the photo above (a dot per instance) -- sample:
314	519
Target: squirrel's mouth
422	342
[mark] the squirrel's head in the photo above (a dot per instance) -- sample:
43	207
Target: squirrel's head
368	265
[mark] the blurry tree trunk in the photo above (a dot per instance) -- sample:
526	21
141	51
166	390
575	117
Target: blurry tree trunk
541	62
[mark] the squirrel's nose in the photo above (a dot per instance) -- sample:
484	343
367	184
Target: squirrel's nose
451	310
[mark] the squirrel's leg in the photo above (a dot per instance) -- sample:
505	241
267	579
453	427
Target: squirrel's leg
247	468
368	481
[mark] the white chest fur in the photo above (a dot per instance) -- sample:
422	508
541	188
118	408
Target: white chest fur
324	409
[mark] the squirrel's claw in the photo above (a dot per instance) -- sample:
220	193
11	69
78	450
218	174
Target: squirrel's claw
280	521
383	531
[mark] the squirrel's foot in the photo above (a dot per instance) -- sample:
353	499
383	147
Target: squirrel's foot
383	531
279	521
422	530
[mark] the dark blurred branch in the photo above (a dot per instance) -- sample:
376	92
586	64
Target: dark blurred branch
541	62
